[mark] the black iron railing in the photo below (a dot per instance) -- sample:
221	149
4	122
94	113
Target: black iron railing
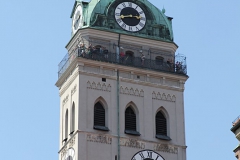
236	120
126	60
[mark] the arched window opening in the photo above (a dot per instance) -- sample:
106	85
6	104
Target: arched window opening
66	126
99	117
129	57
130	122
161	126
159	60
73	119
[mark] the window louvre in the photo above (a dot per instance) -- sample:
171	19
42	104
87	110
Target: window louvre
99	115
130	119
161	124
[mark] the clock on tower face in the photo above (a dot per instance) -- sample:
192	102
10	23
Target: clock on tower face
70	155
147	155
130	16
77	19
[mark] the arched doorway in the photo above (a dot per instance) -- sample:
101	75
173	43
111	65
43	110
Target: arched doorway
129	57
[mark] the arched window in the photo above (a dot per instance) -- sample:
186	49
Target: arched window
130	122
73	119
66	125
161	126
99	117
159	60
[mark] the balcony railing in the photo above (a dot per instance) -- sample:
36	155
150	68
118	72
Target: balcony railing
236	121
126	60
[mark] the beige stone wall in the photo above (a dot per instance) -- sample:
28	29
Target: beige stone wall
148	91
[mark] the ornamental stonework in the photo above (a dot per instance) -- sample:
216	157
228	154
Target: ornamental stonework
63	152
98	138
238	136
163	96
166	148
74	90
99	86
65	100
133	143
131	91
72	141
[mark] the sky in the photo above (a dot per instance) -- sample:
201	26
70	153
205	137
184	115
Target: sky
33	36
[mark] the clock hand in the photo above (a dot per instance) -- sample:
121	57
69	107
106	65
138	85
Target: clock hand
122	16
138	17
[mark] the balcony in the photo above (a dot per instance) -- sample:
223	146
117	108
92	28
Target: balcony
113	54
235	122
236	127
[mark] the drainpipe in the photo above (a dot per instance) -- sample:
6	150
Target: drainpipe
118	109
118	116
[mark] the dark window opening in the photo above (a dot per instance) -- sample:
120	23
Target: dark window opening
104	79
161	126
99	117
159	60
130	122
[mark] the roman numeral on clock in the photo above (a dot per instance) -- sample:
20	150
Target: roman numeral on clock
149	154
119	20
141	154
140	12
130	4
130	28
124	5
117	14
143	18
123	25
141	24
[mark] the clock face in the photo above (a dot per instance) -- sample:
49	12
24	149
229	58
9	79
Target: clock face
70	155
77	19
147	155
130	16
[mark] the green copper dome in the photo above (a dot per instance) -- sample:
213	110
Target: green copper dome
99	14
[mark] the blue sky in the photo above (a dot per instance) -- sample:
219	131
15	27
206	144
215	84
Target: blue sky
33	35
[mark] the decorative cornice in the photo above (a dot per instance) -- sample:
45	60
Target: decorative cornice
64	87
150	84
124	141
163	96
70	142
131	91
99	86
238	136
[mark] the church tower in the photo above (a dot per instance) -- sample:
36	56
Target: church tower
121	84
236	130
